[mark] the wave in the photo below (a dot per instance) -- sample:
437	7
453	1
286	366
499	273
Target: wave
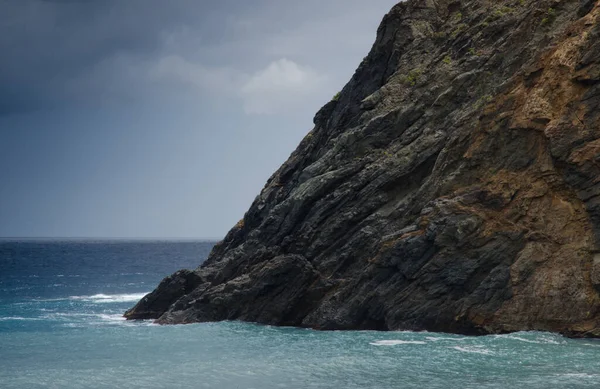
108	320
83	320
591	345
110	298
117	317
579	375
474	349
395	342
527	337
536	341
10	318
13	289
437	339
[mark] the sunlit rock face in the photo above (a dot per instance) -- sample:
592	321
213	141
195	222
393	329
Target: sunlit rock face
453	185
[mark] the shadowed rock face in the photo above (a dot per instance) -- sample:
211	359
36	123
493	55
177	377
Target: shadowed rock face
453	186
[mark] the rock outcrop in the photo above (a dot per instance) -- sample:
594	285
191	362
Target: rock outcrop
453	186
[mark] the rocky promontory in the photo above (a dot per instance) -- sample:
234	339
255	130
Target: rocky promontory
453	185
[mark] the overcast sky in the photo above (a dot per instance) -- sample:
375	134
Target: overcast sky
153	118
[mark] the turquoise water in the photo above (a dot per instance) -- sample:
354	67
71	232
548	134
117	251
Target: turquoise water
61	327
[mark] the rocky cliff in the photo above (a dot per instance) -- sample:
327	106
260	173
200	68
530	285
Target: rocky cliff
454	185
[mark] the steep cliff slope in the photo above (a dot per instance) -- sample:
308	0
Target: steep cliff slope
453	186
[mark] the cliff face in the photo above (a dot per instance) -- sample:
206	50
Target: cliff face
453	186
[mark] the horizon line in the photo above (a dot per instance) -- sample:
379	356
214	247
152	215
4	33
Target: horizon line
110	238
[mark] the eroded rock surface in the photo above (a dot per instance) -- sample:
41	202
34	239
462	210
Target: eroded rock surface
453	186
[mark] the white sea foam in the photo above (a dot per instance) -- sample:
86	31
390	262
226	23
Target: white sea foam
474	349
520	339
48	300
549	339
111	318
110	298
9	318
56	315
395	342
580	375
437	339
81	320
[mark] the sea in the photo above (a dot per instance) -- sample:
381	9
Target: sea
61	326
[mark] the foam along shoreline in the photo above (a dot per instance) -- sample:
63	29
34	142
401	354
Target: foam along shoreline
110	298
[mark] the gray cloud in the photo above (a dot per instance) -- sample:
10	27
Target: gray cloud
48	45
280	86
59	53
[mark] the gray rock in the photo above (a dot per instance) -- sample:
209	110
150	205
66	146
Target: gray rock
453	186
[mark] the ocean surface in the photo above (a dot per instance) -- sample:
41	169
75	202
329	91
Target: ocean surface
61	327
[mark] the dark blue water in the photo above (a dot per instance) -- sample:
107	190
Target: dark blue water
84	276
61	327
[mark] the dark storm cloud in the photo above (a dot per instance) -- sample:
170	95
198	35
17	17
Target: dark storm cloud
62	53
46	45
